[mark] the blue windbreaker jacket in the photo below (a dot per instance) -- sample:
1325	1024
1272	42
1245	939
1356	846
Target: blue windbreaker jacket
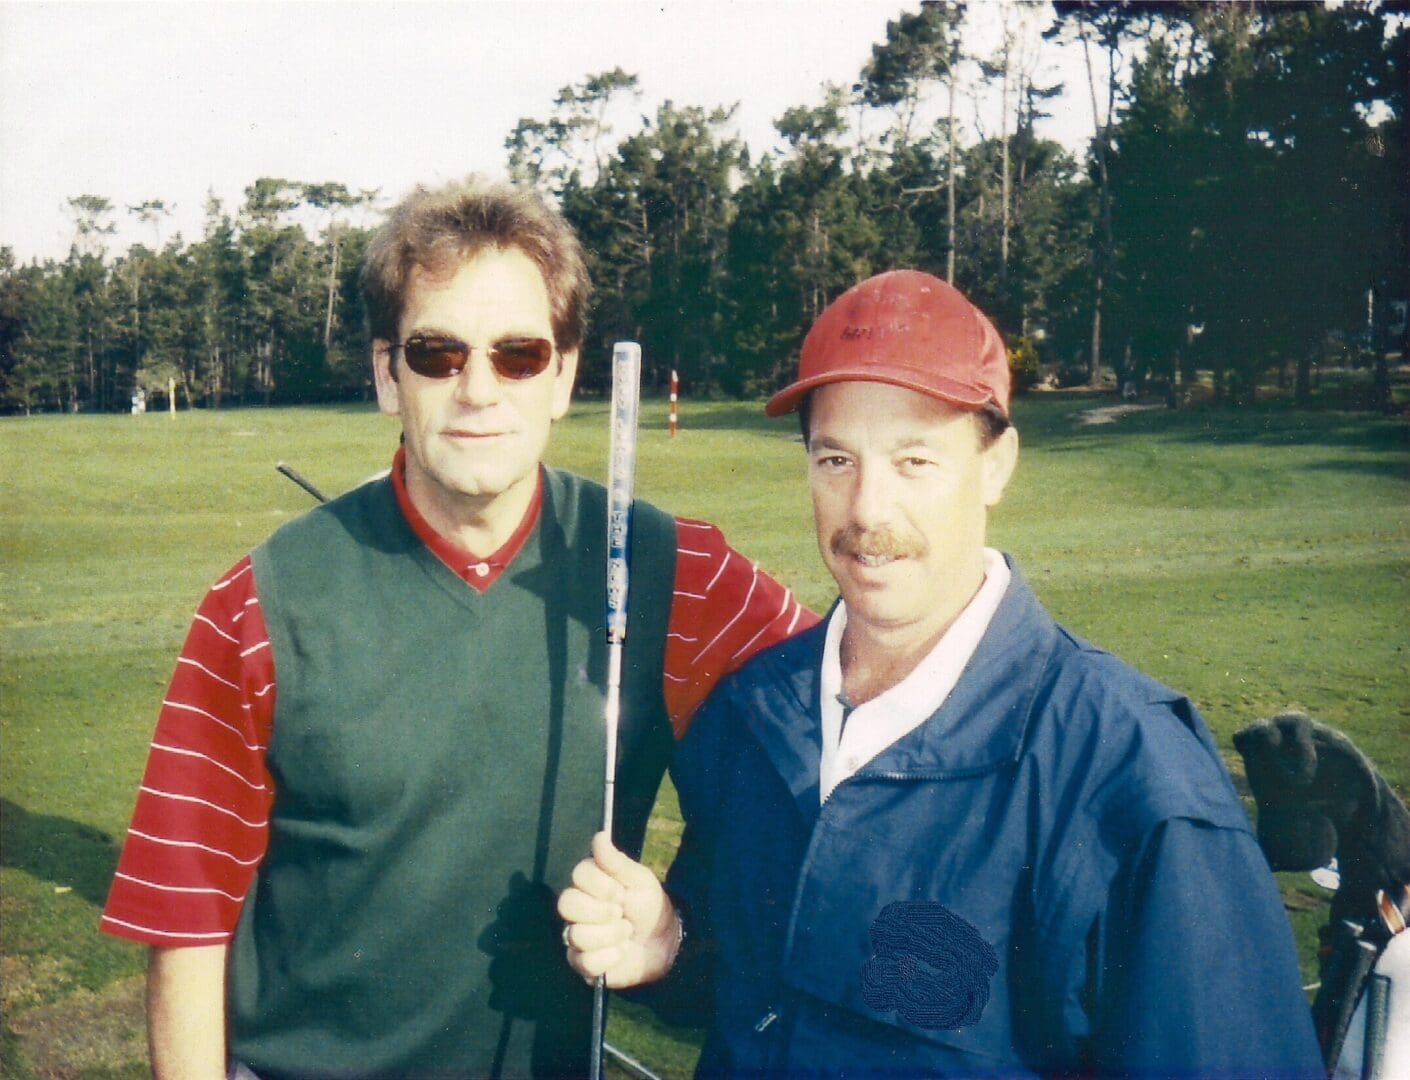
1051	875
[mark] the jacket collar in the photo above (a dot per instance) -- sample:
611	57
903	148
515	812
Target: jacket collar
779	695
984	721
980	726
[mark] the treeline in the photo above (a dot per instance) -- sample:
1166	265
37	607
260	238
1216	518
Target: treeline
1243	195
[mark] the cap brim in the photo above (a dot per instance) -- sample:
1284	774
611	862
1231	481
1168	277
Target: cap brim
950	391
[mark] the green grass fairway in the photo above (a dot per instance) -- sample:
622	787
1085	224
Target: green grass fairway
1254	560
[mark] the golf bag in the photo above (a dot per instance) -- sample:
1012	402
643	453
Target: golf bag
1319	800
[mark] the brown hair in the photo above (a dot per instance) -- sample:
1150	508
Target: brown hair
438	230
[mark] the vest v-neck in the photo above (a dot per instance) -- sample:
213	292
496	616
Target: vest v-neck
480	573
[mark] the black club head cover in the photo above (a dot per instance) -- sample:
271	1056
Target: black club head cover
1308	781
1319	796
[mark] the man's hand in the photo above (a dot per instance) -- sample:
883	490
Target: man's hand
621	923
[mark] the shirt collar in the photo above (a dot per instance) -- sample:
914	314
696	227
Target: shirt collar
878	723
477	572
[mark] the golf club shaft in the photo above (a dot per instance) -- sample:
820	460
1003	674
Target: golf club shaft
293	475
626	400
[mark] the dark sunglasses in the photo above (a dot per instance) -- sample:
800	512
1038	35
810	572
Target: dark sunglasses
438	357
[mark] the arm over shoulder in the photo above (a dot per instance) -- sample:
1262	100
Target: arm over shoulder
723	611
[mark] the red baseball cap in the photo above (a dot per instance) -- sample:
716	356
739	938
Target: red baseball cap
908	329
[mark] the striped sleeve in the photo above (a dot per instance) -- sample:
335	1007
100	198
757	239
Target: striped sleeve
200	826
724	610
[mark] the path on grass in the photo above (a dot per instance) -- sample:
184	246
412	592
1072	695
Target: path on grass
1109	414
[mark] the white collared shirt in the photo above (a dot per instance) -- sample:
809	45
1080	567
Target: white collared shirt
874	726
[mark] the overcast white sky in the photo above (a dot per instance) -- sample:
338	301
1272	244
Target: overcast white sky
137	101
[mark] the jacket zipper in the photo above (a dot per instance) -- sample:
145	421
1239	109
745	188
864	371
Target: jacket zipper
920	774
769	1031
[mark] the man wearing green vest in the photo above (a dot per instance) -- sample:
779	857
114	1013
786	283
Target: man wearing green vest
380	754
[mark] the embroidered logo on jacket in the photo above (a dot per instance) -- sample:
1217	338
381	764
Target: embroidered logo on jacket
928	964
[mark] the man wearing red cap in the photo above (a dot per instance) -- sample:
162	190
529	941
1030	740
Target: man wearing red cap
938	834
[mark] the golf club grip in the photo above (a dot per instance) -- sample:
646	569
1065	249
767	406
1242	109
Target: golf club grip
626	403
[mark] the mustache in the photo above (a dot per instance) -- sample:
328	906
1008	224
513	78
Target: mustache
855	540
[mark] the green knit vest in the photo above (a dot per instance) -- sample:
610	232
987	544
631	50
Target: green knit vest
438	766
